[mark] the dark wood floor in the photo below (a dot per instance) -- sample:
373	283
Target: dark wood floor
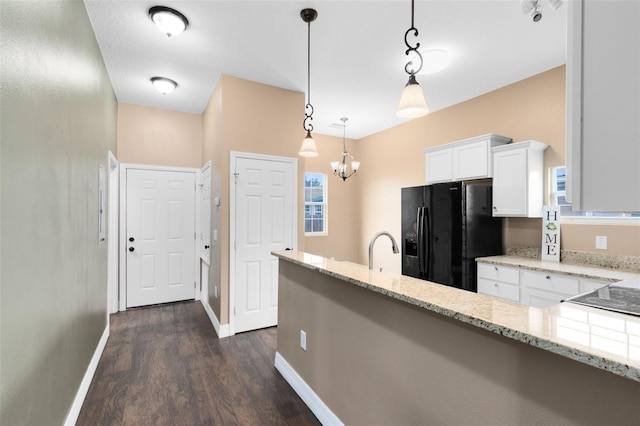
164	365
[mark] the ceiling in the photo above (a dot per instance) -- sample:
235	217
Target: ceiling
357	52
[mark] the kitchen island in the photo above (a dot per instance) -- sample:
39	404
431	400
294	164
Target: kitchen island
383	348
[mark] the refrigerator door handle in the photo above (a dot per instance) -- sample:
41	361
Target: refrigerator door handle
420	229
427	238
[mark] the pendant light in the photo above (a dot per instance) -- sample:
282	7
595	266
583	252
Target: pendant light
412	103
308	148
340	167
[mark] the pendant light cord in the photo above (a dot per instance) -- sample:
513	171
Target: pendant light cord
309	62
409	66
308	109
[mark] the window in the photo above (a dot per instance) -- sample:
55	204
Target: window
315	204
558	197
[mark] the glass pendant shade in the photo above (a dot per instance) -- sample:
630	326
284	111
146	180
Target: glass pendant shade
334	165
412	103
308	148
355	165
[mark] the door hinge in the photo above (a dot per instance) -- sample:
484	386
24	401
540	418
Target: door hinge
194	284
234	311
235	177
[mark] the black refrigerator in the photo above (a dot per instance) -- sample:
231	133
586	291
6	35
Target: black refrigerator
445	226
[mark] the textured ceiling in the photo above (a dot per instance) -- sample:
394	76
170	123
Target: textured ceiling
357	52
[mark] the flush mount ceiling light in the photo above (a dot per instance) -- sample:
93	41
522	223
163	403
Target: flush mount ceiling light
164	85
169	21
412	103
533	8
308	148
340	167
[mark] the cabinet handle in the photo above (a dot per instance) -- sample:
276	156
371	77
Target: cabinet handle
495	267
495	284
548	277
495	208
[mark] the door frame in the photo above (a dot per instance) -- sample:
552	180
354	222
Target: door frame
205	262
124	167
235	155
112	234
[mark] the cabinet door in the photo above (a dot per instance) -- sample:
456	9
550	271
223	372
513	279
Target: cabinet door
603	105
439	166
510	183
471	161
540	298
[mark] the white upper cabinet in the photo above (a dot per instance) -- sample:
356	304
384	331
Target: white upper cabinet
462	160
603	105
518	179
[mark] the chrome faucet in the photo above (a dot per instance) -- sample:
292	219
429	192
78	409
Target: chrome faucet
394	246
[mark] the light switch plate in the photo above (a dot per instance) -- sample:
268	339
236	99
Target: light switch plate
601	242
303	340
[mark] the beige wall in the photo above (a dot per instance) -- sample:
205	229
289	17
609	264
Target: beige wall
250	117
379	361
212	151
160	137
58	114
343	203
530	109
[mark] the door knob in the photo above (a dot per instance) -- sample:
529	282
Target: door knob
131	239
131	249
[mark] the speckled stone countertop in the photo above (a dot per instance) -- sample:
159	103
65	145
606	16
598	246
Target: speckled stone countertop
602	339
576	270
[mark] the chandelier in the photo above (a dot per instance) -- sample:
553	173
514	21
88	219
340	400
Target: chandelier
340	167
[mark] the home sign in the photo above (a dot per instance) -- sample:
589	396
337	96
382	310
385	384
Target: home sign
551	233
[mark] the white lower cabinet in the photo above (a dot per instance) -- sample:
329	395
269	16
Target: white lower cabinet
531	288
499	281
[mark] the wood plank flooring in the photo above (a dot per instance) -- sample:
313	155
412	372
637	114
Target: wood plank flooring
164	365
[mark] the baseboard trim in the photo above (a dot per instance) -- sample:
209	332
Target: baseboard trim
221	330
304	391
74	412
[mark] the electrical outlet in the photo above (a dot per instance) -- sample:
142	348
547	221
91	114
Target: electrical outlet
601	242
303	340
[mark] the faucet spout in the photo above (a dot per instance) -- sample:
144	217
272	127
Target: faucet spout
394	246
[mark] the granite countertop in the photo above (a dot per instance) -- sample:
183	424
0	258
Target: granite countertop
602	339
573	269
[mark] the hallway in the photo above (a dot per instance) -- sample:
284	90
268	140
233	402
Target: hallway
164	365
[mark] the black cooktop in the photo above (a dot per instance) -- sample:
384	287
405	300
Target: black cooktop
613	298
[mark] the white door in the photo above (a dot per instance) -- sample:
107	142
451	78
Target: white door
265	202
160	236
